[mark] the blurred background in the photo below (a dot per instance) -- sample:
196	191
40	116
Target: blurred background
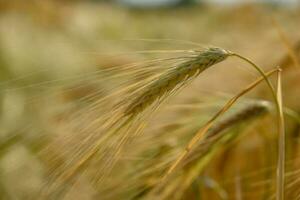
51	56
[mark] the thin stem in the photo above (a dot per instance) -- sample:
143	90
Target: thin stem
262	73
281	142
199	135
278	102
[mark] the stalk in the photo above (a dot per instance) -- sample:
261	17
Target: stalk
277	96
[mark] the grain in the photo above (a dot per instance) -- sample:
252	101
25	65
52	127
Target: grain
168	81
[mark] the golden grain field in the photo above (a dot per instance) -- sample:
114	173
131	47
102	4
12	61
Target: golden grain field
107	102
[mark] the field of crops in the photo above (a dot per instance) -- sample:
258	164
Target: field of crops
107	102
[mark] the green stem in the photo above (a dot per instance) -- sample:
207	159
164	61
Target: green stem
281	143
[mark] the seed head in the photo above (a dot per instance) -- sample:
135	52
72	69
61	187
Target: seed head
176	77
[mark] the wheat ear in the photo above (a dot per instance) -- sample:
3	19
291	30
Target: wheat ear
251	111
165	84
180	74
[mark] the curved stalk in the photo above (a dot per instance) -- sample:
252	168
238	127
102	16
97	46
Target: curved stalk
281	139
199	135
278	102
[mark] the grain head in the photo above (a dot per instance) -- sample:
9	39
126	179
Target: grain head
174	77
